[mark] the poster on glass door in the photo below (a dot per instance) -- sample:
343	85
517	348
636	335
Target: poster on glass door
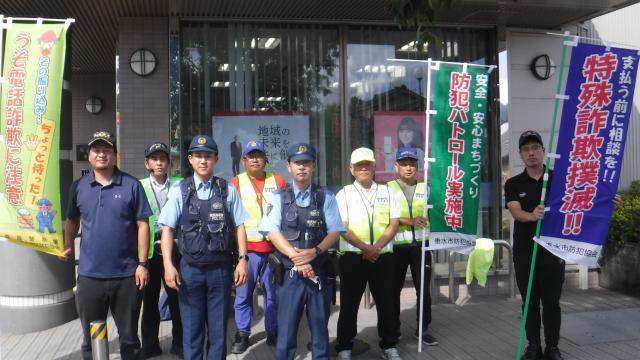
392	130
278	131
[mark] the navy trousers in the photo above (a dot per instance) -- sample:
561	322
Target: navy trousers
258	271
294	294
205	293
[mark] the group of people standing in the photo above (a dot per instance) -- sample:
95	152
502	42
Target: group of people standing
202	234
252	229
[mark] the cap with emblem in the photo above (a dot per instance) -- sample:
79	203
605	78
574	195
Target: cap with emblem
103	136
162	147
203	143
362	154
407	152
44	202
253	146
529	136
301	151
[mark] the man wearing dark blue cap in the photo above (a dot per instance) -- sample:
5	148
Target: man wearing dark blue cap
206	212
256	187
156	187
303	223
407	244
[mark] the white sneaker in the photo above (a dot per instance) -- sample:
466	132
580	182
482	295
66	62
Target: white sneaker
344	355
390	354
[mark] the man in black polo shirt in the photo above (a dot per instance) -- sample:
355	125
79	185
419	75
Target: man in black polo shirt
114	212
522	197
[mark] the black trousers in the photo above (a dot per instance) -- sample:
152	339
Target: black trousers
355	273
411	256
94	298
151	295
546	288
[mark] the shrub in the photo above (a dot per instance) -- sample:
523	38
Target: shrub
625	224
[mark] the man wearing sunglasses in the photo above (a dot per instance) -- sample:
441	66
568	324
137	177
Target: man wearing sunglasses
303	223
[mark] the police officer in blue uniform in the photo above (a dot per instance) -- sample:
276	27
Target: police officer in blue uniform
303	223
207	212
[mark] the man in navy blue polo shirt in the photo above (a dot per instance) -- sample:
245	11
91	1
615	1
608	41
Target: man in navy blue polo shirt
114	212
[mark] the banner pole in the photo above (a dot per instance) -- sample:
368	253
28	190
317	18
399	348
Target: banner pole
545	181
425	231
1	54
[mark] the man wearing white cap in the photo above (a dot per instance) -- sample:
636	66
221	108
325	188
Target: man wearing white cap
371	217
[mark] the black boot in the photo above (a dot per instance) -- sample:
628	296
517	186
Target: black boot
532	352
241	344
552	353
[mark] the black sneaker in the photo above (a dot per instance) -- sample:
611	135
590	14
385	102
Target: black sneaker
427	338
532	352
272	339
552	353
150	352
176	350
241	344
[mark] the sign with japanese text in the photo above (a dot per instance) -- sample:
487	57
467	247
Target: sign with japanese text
277	131
591	140
29	125
458	138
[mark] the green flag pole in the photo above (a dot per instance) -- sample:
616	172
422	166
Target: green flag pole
545	181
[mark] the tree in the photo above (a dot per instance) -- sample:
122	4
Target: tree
420	15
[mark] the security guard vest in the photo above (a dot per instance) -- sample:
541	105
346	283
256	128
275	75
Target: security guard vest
250	201
366	229
408	234
304	227
205	230
146	185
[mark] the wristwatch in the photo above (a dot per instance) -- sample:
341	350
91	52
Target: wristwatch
144	264
318	251
243	257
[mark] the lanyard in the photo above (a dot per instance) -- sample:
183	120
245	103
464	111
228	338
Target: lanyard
155	196
259	196
369	215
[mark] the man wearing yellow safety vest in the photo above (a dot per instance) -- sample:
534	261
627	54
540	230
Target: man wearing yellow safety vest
156	187
407	245
256	187
370	214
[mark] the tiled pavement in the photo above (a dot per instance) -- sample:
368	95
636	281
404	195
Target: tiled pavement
485	327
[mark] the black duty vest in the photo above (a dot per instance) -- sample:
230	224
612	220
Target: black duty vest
304	227
206	227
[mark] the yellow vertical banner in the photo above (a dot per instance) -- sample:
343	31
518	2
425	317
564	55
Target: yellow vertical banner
34	56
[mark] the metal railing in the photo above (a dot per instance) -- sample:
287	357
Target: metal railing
452	275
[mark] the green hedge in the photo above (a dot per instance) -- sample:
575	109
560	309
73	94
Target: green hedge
625	224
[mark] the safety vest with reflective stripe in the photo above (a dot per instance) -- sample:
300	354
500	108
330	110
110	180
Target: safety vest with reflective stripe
359	220
155	212
407	233
250	201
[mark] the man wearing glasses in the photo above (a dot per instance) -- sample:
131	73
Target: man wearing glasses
256	187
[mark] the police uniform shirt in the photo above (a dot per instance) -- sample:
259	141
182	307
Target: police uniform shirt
367	201
273	218
173	208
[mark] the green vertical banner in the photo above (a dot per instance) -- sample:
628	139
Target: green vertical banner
34	57
458	137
